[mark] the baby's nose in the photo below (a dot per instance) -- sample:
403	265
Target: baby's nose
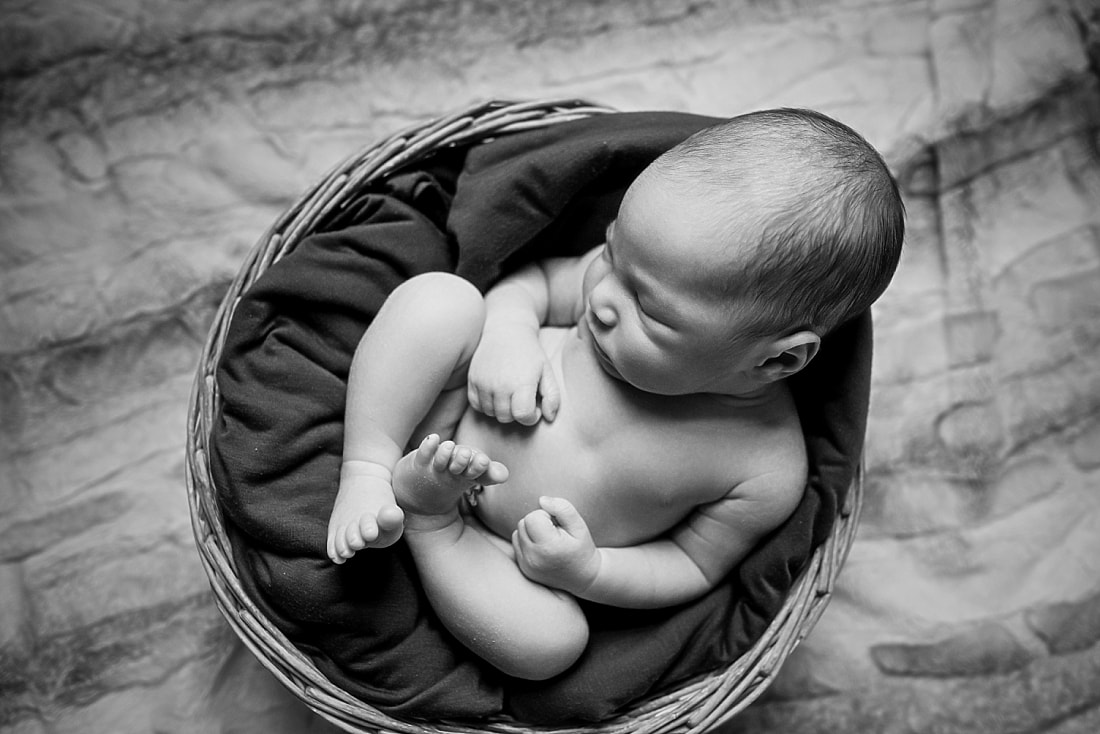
604	314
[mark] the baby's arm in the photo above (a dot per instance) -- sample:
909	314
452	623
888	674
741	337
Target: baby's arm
554	548
509	371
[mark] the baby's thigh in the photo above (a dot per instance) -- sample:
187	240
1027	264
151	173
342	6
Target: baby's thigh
504	545
444	415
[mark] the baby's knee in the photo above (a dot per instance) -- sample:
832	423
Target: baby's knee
440	287
441	299
550	650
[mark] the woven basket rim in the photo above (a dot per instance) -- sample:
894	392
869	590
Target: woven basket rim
692	707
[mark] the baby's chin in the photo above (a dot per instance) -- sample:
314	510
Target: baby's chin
608	366
613	372
640	385
605	362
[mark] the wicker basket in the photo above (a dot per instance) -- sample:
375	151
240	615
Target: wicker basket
695	706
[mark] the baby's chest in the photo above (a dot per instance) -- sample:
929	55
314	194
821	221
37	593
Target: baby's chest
645	455
630	477
662	461
632	481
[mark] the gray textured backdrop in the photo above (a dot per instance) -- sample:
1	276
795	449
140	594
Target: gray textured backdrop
145	144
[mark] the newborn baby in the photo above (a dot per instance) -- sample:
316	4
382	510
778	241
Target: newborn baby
616	427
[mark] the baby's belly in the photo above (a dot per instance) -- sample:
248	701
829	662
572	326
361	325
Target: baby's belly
553	459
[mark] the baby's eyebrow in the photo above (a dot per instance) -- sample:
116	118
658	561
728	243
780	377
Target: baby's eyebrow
657	309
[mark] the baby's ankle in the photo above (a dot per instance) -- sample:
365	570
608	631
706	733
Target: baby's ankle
429	527
365	469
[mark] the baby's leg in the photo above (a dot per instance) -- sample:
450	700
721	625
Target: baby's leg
417	348
523	628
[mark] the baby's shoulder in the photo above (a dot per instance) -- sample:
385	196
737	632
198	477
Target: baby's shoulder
770	440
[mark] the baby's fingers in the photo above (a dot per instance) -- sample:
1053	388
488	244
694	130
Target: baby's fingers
517	548
565	515
540	527
502	407
473	396
521	541
487	402
524	408
551	394
521	546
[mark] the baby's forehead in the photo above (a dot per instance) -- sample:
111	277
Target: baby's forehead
711	205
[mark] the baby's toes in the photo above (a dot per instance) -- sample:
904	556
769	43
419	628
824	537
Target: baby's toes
340	544
479	462
496	473
460	460
365	532
353	539
425	453
390	519
443	456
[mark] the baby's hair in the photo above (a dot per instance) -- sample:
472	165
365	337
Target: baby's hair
825	219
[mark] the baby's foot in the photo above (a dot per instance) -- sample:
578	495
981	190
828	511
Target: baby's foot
365	514
429	481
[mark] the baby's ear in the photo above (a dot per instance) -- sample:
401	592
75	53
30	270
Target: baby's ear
787	355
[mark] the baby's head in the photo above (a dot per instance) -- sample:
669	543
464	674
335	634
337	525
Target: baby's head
755	237
804	217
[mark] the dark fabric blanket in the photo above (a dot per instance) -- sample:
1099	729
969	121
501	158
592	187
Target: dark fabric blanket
277	441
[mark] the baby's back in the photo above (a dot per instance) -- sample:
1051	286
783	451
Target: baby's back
633	464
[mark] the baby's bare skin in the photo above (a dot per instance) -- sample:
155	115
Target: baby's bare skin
619	455
670	477
430	480
667	445
651	442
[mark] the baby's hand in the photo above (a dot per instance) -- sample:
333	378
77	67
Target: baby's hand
510	378
554	548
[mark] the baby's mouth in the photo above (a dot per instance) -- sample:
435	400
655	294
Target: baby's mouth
601	355
604	360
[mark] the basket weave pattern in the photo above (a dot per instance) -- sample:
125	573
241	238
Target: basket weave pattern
693	707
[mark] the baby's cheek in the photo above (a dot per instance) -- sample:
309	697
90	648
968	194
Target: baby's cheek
596	270
659	372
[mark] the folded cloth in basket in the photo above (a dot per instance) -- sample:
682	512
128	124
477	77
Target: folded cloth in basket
276	445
